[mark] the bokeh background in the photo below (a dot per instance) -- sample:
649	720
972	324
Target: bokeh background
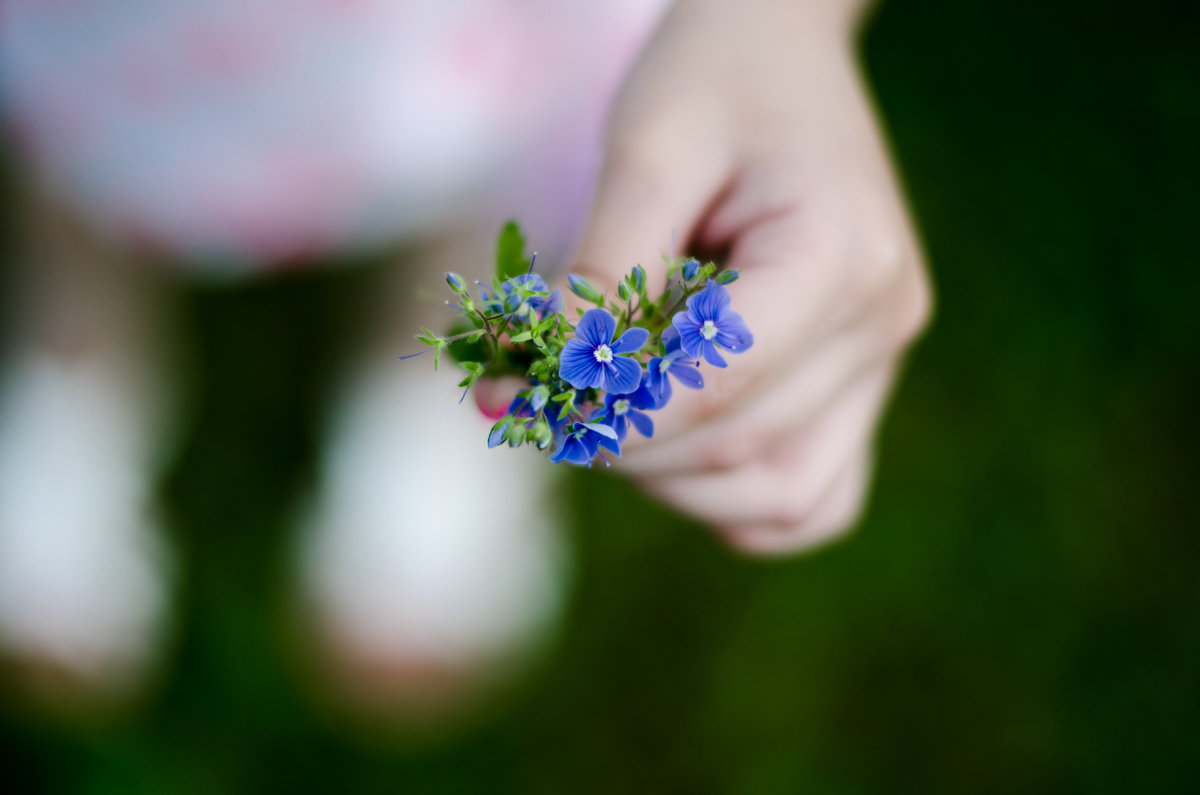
1018	611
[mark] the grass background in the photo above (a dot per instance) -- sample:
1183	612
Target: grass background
1016	614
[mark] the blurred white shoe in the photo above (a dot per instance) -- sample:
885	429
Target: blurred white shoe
434	566
83	594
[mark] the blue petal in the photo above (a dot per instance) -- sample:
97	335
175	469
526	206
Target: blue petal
657	384
609	417
621	376
609	444
670	338
600	428
551	304
620	425
530	281
578	366
709	302
688	375
690	339
644	398
733	334
573	450
712	356
632	340
596	328
644	424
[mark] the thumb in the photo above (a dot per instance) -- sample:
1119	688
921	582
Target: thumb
649	191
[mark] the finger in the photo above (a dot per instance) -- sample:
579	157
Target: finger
654	185
717	440
793	300
493	396
805	276
835	513
783	486
747	423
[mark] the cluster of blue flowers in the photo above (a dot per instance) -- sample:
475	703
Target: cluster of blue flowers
589	382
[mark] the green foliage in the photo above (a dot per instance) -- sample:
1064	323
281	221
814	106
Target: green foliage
510	252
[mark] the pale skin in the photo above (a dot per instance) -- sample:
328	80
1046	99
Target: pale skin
746	128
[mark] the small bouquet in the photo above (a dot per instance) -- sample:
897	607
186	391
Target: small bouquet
588	380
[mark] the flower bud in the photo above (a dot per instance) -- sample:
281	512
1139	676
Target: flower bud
623	290
540	434
690	268
639	278
584	289
496	437
456	283
727	277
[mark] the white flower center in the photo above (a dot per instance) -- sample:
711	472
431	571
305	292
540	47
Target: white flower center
620	407
708	330
603	354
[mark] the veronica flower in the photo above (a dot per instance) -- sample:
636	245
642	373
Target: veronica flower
621	411
592	358
709	326
514	299
581	442
674	361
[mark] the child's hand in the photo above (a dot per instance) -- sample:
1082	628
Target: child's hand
746	130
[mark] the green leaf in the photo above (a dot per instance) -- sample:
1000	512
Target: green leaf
524	336
510	252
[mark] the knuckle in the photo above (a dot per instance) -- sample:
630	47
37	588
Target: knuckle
792	513
890	258
915	309
726	454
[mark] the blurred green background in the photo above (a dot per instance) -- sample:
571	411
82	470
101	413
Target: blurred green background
1018	612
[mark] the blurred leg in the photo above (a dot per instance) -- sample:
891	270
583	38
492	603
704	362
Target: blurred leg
82	592
432	565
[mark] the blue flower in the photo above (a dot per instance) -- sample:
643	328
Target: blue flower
581	442
674	361
593	359
708	326
514	298
621	411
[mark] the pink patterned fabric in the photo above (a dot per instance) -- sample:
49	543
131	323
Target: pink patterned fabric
239	134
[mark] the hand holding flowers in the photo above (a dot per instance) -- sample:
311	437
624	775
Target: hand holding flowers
588	382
